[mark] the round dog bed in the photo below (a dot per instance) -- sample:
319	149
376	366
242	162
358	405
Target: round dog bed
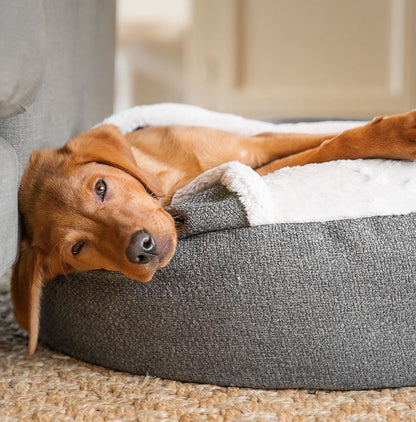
258	298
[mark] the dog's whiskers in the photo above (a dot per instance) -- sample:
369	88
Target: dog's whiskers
49	260
60	253
61	264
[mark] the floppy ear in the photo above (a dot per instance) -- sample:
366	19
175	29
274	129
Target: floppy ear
26	289
106	144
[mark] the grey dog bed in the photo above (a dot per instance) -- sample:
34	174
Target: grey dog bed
305	279
316	305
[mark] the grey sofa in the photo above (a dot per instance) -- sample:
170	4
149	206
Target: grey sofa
56	80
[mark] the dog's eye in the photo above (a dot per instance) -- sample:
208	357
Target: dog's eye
100	188
76	249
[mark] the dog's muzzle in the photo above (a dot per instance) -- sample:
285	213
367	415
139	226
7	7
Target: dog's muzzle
142	248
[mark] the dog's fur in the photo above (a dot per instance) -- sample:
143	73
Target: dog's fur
61	202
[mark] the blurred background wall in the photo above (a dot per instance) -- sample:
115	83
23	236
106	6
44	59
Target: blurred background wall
269	59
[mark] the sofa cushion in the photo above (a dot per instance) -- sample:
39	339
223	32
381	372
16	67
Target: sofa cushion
77	89
22	24
8	205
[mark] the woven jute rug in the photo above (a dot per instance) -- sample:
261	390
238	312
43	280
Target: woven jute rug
53	387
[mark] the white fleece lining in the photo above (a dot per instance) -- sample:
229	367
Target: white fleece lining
315	192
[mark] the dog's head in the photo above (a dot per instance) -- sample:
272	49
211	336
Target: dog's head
87	206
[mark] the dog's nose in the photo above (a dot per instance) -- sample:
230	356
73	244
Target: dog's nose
142	248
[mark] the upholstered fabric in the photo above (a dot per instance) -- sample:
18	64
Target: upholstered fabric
23	50
77	89
8	204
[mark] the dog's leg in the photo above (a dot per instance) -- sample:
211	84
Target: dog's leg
391	137
255	151
266	147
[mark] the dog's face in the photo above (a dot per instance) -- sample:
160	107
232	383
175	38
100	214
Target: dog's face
87	206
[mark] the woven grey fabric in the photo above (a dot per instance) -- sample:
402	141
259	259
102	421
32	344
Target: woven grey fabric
57	96
318	305
77	89
209	210
8	204
23	52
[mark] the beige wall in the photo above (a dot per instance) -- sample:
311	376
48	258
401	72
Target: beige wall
274	58
149	62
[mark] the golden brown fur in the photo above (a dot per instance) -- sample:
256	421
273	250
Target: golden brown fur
62	204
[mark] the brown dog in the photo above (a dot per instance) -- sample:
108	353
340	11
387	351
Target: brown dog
97	202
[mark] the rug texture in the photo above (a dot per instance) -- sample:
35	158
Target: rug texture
53	387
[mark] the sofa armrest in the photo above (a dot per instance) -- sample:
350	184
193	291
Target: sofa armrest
8	205
24	45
